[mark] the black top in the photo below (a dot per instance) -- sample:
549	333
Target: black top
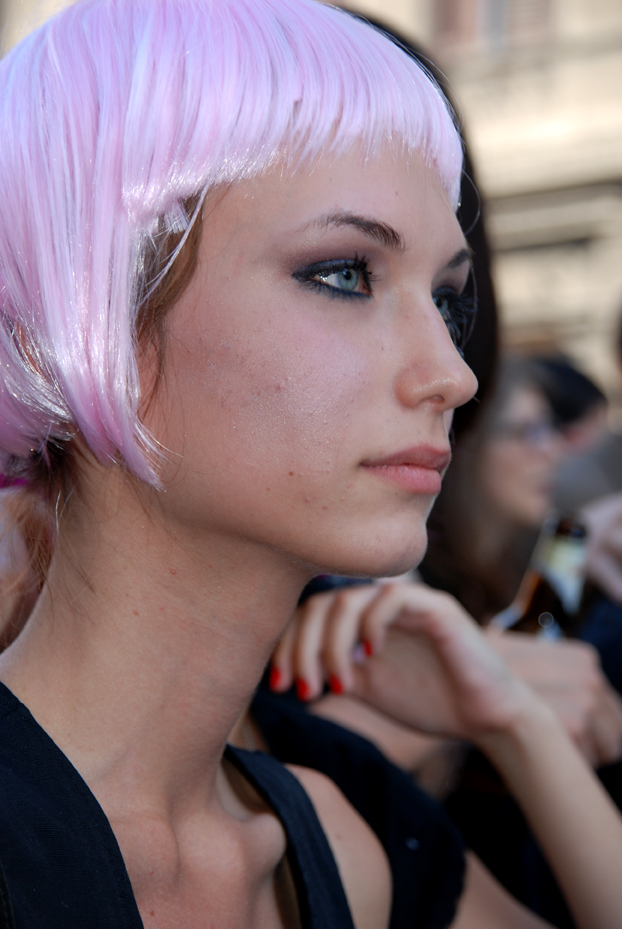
424	849
62	867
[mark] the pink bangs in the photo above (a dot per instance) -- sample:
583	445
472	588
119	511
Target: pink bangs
114	113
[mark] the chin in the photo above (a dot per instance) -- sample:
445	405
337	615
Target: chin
383	558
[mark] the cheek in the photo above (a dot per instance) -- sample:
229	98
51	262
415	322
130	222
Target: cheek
503	473
266	396
514	484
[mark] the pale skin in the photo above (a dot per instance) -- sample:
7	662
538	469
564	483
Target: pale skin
161	609
604	552
435	672
516	475
566	674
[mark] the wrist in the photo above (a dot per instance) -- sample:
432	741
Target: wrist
529	723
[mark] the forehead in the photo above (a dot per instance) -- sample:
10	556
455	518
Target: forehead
399	190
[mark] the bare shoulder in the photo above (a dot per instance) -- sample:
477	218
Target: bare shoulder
360	857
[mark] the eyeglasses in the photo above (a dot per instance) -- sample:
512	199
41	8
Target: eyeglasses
535	434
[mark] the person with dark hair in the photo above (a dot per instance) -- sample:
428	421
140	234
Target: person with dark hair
579	406
496	494
597	471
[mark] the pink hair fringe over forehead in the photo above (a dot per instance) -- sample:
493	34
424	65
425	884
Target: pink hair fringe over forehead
115	112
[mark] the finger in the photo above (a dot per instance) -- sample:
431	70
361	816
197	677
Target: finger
607	729
434	613
452	633
282	669
308	647
383	611
605	568
613	540
343	633
408	604
589	748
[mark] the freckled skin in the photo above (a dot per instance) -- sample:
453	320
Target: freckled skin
275	393
275	398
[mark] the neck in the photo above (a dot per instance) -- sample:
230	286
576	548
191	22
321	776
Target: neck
146	645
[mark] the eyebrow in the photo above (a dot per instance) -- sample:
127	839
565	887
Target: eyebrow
465	254
381	232
385	234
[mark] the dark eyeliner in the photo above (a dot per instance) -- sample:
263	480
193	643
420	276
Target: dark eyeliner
307	274
459	313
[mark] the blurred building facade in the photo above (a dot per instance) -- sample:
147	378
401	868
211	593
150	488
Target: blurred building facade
539	87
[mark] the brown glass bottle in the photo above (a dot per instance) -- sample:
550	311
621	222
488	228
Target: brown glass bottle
548	601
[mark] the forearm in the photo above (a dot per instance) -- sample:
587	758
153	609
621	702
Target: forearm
577	825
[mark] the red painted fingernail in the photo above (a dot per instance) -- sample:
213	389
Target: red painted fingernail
335	684
368	648
275	678
302	689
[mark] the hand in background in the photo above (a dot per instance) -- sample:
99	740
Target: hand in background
429	653
427	663
567	675
604	545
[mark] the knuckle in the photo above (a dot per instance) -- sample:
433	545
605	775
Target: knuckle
591	655
341	599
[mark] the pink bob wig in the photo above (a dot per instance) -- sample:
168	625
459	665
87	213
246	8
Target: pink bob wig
112	116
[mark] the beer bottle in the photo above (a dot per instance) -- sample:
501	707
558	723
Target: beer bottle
549	598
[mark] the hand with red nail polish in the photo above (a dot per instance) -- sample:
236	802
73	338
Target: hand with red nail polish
303	691
328	636
275	678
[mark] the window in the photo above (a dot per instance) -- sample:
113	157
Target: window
490	23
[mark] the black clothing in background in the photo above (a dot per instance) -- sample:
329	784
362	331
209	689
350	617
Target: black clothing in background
424	850
62	866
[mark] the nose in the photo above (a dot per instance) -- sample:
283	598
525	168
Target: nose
432	371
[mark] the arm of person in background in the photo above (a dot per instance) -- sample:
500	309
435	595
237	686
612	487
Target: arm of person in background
603	518
434	671
567	675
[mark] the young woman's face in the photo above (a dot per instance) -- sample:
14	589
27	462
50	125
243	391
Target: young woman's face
520	458
309	374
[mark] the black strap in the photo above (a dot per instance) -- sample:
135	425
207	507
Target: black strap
321	897
6	910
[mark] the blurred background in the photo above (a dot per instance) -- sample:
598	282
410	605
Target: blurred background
539	88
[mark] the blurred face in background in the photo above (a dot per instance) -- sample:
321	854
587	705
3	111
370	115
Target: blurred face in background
520	458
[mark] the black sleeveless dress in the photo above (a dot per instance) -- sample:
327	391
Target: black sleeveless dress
425	851
61	866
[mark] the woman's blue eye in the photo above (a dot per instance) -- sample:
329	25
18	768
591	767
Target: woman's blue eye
458	313
344	278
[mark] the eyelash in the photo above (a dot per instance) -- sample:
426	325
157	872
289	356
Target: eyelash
461	316
361	265
462	307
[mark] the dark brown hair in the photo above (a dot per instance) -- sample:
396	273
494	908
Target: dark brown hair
458	522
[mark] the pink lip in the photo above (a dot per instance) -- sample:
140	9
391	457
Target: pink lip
419	470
